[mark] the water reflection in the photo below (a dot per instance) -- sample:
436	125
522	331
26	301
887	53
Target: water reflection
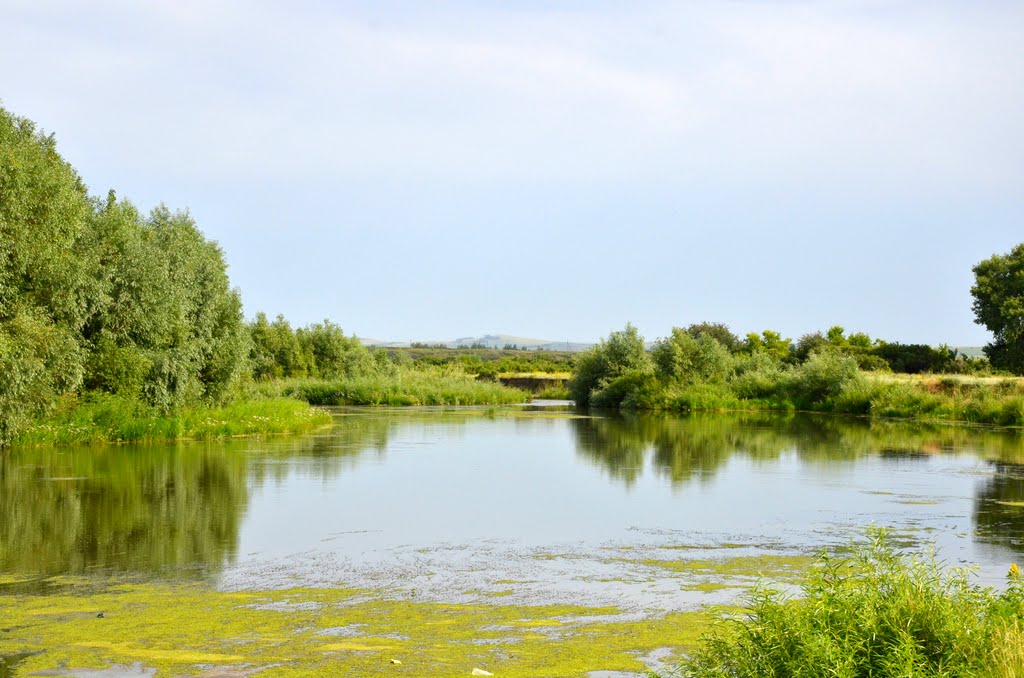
181	508
684	448
159	508
124	508
999	507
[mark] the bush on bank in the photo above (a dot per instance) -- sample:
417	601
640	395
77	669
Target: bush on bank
684	373
876	613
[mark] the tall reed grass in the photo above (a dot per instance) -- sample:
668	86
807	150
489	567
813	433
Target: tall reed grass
101	418
403	386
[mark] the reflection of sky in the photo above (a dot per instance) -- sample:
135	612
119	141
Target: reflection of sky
521	482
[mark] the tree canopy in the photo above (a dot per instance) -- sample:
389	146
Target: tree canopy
998	293
94	294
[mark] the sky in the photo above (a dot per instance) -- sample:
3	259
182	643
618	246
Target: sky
430	170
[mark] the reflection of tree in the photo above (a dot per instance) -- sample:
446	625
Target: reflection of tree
686	447
683	447
999	507
138	508
150	508
616	443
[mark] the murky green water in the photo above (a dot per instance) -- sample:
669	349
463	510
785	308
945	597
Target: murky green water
480	493
634	525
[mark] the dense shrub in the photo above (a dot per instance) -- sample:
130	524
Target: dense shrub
681	358
877	613
916	358
633	390
822	378
621	353
757	376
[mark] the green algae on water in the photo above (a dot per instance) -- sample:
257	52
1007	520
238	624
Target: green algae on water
185	629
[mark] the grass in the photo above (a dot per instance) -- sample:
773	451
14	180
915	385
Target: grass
553	393
274	407
875	613
998	401
419	386
995	401
101	418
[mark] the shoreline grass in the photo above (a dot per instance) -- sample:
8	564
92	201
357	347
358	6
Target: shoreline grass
404	387
105	419
942	399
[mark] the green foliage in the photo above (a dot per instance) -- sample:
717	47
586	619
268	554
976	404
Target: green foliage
102	418
488	363
632	390
877	613
117	369
93	294
758	376
810	343
770	342
998	294
43	209
917	358
681	358
717	331
688	375
275	349
400	387
621	353
822	378
332	355
39	361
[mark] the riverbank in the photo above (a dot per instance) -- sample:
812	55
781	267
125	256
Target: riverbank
824	383
282	406
100	418
423	385
949	399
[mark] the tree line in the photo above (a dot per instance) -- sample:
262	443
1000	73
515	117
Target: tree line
95	295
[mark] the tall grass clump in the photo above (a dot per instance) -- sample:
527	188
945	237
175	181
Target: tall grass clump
405	386
105	418
877	613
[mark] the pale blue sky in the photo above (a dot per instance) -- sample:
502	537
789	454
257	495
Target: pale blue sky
425	170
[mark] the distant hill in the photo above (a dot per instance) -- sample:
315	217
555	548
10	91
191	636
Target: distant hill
488	340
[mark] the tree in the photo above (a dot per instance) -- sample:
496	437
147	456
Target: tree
681	358
770	342
622	352
43	283
998	293
718	331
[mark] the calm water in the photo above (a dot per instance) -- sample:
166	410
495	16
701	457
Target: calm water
438	500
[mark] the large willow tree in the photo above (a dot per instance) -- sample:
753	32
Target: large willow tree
93	294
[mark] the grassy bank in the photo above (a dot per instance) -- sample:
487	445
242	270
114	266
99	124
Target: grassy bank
100	418
270	407
400	387
826	382
691	373
876	613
